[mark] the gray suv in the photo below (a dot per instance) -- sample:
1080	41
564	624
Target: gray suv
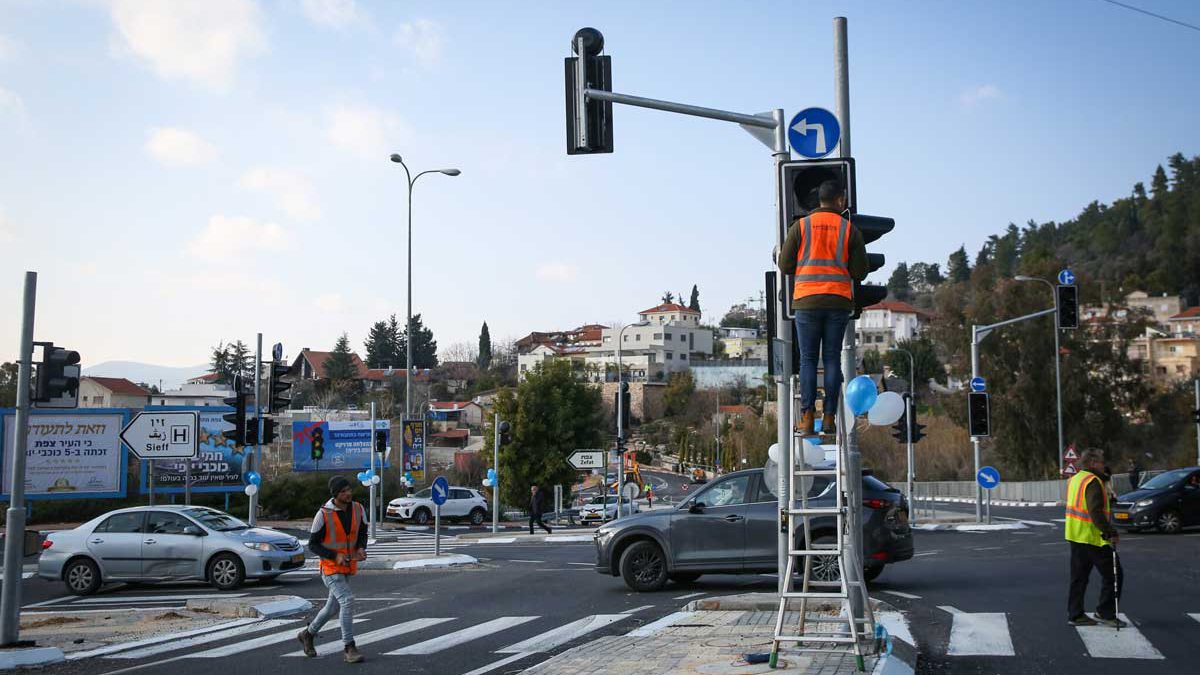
730	527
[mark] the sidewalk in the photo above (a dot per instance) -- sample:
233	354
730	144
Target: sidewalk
713	636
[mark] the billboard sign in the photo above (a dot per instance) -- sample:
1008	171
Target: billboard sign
217	467
76	455
414	449
347	445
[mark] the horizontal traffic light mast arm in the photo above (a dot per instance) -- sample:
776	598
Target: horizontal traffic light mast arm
983	330
764	121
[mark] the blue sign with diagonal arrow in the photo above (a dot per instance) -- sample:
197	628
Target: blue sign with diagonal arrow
814	132
988	477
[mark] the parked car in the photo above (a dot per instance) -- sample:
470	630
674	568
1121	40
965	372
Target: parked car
729	527
461	503
1167	502
166	543
599	510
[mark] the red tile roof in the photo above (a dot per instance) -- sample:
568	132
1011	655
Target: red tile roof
451	405
119	385
317	361
895	306
668	307
381	374
736	410
207	378
1191	313
453	433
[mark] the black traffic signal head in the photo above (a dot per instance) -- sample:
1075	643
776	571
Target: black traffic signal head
380	441
278	397
1068	306
318	444
801	182
505	436
57	377
872	228
268	431
237	435
979	414
589	126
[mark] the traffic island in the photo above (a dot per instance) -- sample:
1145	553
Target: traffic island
715	635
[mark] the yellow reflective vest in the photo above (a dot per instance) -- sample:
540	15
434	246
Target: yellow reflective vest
1080	527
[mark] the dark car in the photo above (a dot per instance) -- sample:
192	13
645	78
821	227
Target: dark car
1167	502
729	527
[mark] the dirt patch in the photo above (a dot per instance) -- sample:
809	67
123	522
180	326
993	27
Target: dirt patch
170	615
50	621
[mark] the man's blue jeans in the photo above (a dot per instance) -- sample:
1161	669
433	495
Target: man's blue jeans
821	331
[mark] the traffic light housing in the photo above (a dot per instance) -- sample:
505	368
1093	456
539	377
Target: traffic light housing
380	441
900	429
278	397
979	414
624	400
238	417
589	127
1068	306
57	382
872	228
318	444
505	437
268	431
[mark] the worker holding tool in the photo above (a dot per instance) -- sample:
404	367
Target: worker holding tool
1093	540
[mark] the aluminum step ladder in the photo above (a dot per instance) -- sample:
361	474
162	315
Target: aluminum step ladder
830	634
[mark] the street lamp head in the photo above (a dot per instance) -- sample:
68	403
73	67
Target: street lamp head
1022	277
397	159
451	172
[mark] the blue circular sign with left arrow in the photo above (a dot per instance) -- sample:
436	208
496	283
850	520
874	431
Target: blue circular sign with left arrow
440	490
814	132
988	477
1066	278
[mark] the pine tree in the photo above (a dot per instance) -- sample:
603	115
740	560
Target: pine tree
378	346
340	367
898	284
485	348
240	360
958	267
424	346
668	298
397	344
219	364
694	303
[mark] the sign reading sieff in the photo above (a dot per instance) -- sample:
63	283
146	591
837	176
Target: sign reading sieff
69	456
217	467
346	445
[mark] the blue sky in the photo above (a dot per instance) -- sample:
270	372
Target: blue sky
189	172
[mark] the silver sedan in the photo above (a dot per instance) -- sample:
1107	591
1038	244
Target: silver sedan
166	543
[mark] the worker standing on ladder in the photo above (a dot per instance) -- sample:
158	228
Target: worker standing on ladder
826	253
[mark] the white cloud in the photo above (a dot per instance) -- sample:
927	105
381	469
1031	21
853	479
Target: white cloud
7	228
422	39
329	302
291	191
974	96
231	238
172	146
197	40
332	13
556	272
365	130
8	48
11	103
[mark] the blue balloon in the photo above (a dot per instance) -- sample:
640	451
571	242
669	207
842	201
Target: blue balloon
491	474
253	478
362	476
861	394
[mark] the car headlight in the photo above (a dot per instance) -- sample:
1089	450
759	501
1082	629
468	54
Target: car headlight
1144	502
257	545
603	535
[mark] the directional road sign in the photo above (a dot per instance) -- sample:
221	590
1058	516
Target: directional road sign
1066	278
277	351
988	477
440	490
814	132
587	459
163	435
978	384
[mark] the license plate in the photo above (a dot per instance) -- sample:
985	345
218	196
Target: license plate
299	557
1122	516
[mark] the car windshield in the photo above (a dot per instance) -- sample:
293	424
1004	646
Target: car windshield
216	520
873	483
424	494
1165	480
611	500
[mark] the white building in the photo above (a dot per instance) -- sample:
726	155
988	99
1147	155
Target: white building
884	325
668	338
194	395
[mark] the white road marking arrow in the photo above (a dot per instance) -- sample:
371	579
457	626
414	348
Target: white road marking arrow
803	127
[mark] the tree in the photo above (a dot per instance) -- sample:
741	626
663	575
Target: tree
377	347
152	388
925	360
924	277
9	376
872	362
680	387
958	267
668	298
694	302
241	359
552	414
898	284
219	364
340	367
485	347
424	346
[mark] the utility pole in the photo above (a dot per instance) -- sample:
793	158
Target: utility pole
258	421
496	466
14	539
1198	420
371	446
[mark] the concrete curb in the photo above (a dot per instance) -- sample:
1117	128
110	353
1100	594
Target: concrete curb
442	561
31	656
278	608
242	607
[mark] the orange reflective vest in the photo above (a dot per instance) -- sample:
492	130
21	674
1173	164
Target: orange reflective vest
822	267
1079	525
338	540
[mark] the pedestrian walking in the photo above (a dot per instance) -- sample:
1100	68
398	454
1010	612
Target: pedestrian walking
826	253
535	509
649	497
1135	473
339	538
1093	540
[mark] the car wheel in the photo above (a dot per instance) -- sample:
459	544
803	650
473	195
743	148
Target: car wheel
683	577
1169	522
872	573
422	516
226	572
477	516
644	567
824	567
82	577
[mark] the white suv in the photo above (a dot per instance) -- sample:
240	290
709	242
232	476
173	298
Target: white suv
460	503
595	511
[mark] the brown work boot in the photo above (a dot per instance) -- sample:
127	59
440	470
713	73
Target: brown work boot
828	425
806	423
306	641
352	655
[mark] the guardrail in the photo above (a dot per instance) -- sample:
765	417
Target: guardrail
1018	491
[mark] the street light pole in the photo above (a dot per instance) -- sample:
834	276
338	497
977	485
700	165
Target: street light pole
1057	367
411	180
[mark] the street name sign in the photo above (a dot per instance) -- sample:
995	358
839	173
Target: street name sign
814	132
163	435
988	477
440	490
586	459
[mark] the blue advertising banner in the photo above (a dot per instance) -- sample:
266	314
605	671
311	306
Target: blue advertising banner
339	446
217	468
69	455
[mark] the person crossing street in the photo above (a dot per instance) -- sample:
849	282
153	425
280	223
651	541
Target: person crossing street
1093	540
339	538
536	507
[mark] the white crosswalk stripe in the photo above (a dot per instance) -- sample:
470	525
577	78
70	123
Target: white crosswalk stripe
1103	642
376	635
175	645
456	638
256	643
978	634
563	634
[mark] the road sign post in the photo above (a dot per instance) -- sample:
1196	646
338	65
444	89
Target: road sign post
10	601
438	492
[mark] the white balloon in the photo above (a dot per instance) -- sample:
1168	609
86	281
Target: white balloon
813	453
375	480
487	483
888	408
251	490
773	452
366	483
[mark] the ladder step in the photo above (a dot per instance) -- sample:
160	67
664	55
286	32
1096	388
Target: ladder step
839	639
824	511
824	584
811	595
803	552
815	472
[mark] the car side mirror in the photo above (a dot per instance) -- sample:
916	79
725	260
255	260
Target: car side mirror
193	531
698	507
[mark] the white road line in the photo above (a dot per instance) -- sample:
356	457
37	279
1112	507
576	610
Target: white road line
907	596
655	627
584	564
988	548
273	638
690	595
1059	520
897	626
111	649
1104	642
498	540
978	634
174	645
563	634
53	601
635	610
498	664
918	555
527	561
377	635
117	599
459	637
